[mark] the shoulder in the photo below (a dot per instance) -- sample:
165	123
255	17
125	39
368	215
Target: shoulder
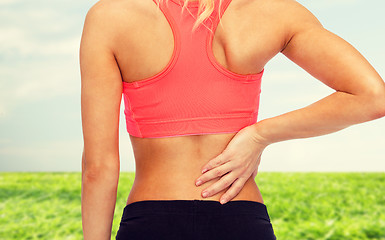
289	11
105	18
289	15
293	14
104	10
114	9
114	14
284	12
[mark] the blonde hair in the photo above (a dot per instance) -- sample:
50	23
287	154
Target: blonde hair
205	9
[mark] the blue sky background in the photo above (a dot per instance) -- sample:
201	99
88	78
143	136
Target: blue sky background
40	118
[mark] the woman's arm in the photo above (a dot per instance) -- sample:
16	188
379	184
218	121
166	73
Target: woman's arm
360	91
101	92
359	97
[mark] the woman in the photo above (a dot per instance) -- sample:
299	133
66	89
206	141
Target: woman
191	103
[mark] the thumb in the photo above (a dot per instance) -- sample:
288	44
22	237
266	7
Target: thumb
255	172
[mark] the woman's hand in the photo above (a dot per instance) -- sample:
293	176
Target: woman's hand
236	163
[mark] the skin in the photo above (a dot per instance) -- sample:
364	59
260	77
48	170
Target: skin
130	40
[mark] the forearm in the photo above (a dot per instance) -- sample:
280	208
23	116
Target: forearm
99	190
330	114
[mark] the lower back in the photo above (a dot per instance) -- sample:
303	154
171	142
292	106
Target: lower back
167	168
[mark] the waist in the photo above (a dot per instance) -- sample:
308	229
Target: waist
184	188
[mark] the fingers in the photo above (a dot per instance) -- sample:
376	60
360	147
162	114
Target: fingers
218	160
214	173
219	185
233	191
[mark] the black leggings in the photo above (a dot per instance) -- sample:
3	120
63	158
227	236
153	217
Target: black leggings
195	220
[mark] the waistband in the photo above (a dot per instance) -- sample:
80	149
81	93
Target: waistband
196	206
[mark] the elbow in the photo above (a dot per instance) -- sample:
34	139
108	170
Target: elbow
377	104
94	172
100	175
381	111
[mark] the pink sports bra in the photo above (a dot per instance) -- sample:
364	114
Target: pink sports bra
193	94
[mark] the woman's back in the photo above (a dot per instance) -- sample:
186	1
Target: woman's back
131	41
166	168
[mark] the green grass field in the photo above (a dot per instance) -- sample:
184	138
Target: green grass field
301	205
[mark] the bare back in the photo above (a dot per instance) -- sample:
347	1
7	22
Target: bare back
166	168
